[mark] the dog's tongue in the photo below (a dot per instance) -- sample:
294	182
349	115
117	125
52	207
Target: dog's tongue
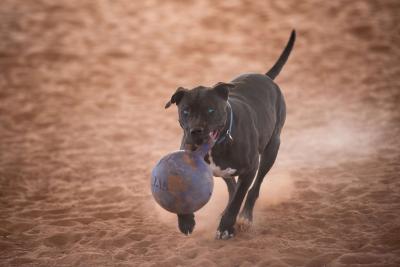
214	135
205	147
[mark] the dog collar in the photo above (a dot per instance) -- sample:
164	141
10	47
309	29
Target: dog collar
229	131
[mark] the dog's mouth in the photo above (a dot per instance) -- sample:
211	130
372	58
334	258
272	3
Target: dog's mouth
212	137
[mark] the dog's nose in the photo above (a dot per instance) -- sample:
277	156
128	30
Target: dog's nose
196	131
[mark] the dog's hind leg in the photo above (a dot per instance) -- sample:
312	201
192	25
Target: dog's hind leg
267	159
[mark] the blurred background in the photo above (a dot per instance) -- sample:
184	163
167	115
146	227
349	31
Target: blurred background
82	91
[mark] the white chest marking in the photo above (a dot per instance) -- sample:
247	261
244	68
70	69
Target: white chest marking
225	173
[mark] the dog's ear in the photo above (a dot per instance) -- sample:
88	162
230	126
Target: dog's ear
176	97
222	89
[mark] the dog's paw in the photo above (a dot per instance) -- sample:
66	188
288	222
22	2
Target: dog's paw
225	235
225	228
243	224
247	215
186	223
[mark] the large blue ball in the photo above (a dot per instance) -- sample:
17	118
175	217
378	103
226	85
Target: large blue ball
182	182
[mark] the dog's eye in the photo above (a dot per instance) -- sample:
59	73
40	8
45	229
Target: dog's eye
210	110
185	112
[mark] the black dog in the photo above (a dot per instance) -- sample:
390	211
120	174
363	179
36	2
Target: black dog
245	117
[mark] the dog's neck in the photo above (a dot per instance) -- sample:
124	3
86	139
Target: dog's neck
227	131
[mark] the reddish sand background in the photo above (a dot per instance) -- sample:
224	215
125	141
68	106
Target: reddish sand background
82	90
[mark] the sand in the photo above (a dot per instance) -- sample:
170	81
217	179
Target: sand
82	122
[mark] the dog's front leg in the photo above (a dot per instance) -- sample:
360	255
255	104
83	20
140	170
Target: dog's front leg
186	223
231	184
228	219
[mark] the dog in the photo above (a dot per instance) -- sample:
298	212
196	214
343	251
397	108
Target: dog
246	117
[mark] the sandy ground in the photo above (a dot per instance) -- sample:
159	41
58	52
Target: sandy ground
82	90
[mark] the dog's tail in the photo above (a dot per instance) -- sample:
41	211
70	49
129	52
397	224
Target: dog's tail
274	71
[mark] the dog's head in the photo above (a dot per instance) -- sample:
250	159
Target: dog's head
202	112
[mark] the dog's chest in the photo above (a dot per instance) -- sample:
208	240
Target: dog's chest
217	171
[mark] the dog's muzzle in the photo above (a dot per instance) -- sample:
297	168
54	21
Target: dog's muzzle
196	137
